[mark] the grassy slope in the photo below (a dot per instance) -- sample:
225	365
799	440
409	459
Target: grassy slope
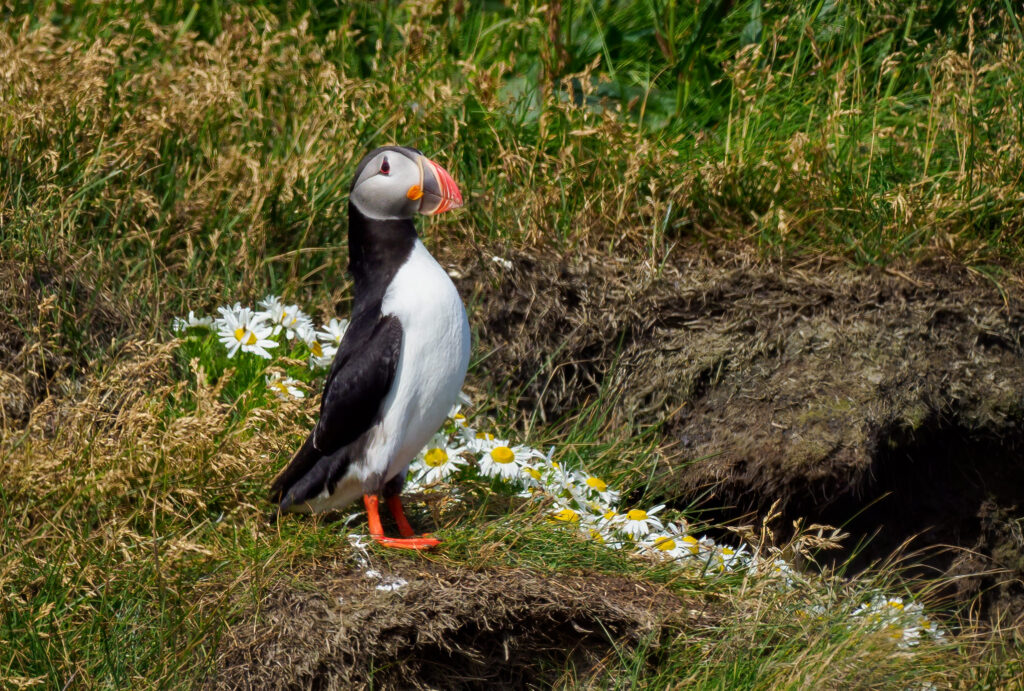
152	163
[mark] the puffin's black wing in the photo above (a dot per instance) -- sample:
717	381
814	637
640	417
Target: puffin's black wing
359	380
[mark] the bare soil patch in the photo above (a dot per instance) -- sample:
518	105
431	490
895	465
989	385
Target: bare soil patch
332	627
888	401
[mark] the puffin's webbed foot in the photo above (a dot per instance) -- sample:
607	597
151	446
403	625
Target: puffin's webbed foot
407	541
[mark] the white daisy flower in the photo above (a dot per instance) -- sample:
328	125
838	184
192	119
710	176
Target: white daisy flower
565	514
686	545
320	355
601	528
557	479
664	546
531	477
414	475
240	328
611	519
534	477
191	321
678	530
440	462
284	387
595	485
597	508
333	332
639	522
932	629
456	416
905	622
307	334
270	302
480	442
729	559
910	636
503	461
564	484
780	568
881	608
691	545
288	318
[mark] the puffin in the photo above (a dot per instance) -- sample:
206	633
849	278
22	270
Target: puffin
400	366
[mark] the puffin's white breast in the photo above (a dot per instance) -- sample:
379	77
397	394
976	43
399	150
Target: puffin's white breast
431	366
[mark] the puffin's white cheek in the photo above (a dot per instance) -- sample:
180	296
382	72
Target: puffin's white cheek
375	200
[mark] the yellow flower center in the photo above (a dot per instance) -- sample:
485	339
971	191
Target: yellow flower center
609	515
532	472
436	457
691	544
502	454
637	515
726	551
459	417
485	435
896	605
596	535
597	483
567	515
316	349
665	544
240	336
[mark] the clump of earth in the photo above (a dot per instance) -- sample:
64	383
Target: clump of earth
886	401
431	626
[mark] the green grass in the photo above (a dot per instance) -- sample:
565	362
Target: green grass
185	155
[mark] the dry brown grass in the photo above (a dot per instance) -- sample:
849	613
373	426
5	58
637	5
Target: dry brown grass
107	496
236	149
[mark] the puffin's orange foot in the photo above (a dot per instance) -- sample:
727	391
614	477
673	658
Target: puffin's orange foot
407	542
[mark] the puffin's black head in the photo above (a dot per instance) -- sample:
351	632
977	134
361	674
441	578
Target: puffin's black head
399	182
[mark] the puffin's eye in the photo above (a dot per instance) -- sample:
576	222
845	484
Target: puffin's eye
385	167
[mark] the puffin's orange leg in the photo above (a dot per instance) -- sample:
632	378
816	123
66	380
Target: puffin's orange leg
372	504
395	505
373	516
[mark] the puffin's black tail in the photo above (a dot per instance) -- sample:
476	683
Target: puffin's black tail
307	474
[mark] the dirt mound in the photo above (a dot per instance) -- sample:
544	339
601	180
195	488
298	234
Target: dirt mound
892	398
428	626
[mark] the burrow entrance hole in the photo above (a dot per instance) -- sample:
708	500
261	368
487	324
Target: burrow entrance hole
937	486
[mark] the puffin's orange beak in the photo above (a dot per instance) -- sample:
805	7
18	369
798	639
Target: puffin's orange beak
437	190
